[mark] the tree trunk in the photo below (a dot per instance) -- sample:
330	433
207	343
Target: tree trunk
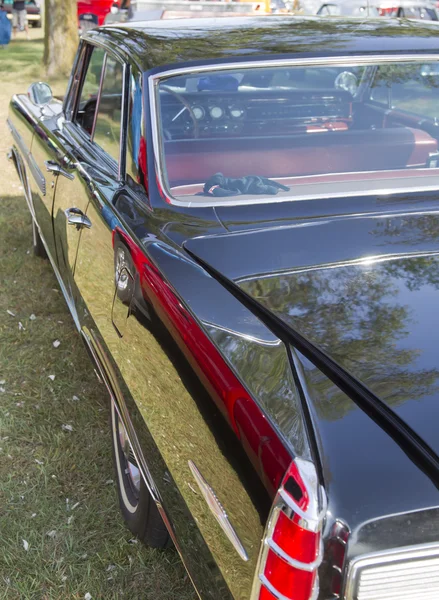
60	36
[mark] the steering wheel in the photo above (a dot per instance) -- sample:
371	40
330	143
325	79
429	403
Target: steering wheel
187	106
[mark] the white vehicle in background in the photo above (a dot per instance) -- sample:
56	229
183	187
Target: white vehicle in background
404	9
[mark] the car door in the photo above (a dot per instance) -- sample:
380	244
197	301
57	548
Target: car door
76	184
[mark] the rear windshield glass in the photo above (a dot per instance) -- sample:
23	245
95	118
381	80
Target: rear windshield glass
246	134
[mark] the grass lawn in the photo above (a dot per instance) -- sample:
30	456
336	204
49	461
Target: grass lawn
61	534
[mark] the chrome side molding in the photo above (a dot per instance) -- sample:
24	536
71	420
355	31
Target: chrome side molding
218	511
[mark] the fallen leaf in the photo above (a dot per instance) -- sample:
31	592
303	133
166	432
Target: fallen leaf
52	377
25	545
56	344
66	427
21	327
70	519
75	398
75	506
51	534
2	381
87	596
109	482
33	515
39	462
32	317
111	568
10	313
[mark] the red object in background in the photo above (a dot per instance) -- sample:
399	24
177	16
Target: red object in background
98	9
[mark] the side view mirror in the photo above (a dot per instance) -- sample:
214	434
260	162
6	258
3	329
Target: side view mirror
40	93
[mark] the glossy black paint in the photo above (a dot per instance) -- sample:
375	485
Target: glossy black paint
357	277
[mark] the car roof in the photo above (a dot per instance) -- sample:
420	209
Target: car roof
154	44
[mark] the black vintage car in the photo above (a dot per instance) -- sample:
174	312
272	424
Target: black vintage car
243	217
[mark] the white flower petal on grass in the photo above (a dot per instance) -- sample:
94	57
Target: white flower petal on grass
33	515
2	381
75	506
87	596
25	545
109	482
10	313
70	519
32	317
51	533
51	377
75	399
67	427
111	568
56	344
2	390
64	578
21	327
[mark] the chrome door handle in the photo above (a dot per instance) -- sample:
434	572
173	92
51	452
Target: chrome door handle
76	217
53	167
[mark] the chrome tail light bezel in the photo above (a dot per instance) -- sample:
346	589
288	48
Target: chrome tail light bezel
312	519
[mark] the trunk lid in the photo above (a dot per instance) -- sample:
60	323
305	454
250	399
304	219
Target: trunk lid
363	289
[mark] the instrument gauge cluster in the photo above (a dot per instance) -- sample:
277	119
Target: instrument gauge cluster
216	112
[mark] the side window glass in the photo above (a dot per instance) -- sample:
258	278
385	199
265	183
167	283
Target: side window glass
89	94
136	144
108	122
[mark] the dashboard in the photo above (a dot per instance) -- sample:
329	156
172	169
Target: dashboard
252	112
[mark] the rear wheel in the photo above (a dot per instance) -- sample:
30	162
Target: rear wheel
138	507
38	246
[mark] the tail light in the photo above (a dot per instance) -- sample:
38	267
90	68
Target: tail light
292	548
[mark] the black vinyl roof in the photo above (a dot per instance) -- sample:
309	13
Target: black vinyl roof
153	44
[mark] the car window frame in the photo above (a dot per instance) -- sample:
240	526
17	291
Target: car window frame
74	90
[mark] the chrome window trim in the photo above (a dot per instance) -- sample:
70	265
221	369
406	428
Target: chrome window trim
123	140
342	61
404	553
98	99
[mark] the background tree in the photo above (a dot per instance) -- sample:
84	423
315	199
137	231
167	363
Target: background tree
60	36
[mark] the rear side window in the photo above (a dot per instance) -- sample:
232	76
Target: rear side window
86	110
108	120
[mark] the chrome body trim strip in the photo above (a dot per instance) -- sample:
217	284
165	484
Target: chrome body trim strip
33	166
218	511
359	60
36	172
405	553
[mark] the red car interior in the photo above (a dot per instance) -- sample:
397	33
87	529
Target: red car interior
194	161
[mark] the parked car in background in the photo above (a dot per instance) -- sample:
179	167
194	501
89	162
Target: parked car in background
242	216
348	8
32	9
407	9
92	13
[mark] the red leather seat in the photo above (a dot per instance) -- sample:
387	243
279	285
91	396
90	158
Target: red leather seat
303	154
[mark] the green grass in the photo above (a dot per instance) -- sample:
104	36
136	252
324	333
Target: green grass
45	470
